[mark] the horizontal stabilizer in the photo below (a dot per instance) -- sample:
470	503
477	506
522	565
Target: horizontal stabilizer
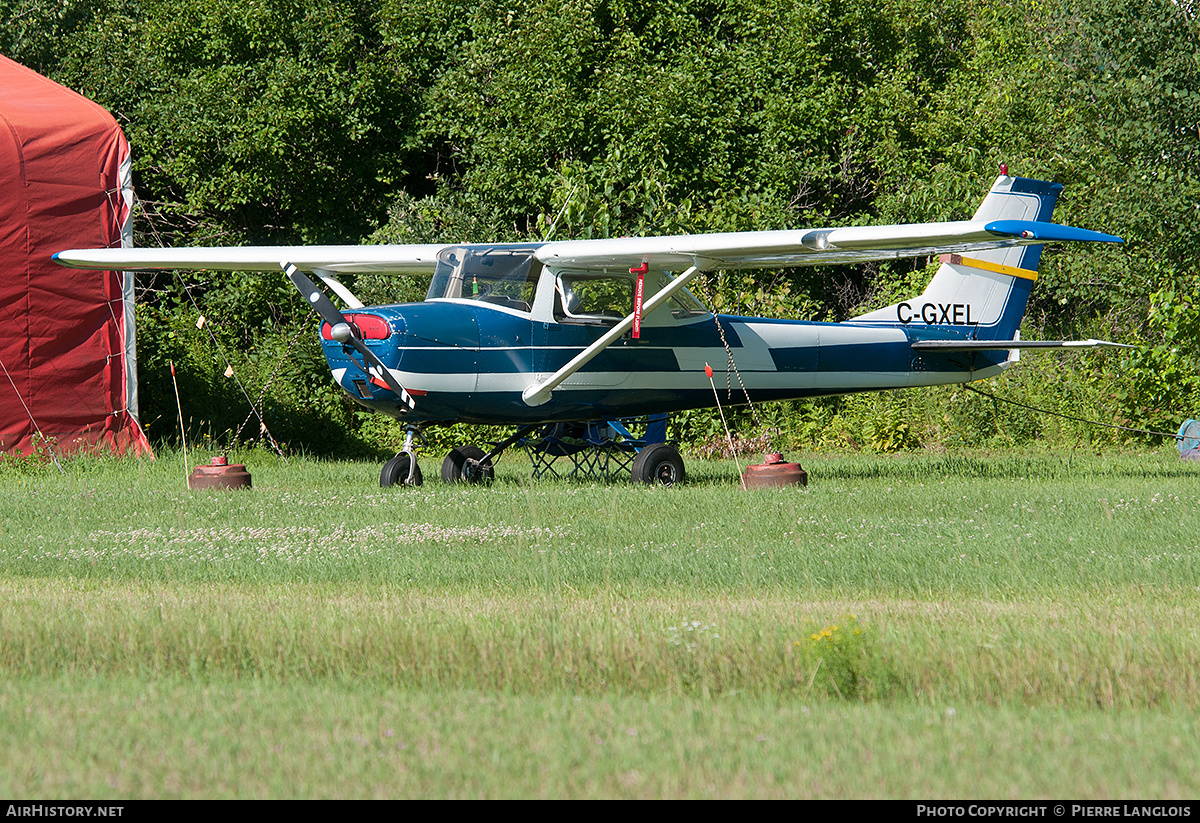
1005	345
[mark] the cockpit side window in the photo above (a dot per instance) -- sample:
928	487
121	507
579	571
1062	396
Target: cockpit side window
684	305
500	276
596	299
603	299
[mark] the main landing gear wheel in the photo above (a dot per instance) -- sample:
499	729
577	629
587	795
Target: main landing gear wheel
659	464
462	466
396	471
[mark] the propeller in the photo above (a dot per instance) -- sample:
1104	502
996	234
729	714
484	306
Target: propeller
343	331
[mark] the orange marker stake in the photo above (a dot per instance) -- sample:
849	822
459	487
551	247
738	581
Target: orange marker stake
728	437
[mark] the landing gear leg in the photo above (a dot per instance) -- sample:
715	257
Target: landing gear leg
403	467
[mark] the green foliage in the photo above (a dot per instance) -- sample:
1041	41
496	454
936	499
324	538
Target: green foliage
888	430
1128	124
975	419
1162	378
281	370
845	662
42	459
244	114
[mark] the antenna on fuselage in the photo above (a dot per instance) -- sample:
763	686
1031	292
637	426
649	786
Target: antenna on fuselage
554	225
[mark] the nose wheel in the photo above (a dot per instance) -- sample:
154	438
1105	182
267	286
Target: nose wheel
402	468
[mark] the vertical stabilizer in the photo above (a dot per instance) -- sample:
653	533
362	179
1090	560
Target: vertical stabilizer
984	293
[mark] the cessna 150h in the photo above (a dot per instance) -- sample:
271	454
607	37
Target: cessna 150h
535	333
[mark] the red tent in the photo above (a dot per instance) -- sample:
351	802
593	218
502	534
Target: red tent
68	371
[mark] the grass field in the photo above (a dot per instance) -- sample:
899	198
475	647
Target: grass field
1017	625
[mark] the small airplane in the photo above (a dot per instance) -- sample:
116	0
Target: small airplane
529	334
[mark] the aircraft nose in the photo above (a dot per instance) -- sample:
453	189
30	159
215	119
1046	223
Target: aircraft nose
370	327
382	331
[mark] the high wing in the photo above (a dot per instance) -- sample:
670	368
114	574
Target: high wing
384	259
729	250
808	247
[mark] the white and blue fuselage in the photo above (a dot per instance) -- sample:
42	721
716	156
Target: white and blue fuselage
464	360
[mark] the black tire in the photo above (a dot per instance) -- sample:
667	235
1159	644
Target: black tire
395	471
456	468
659	464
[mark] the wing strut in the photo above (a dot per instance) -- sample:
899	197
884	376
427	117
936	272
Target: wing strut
337	288
539	393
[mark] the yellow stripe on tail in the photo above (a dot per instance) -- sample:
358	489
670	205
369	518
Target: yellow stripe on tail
998	268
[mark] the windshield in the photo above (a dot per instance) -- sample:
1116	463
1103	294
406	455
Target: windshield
501	276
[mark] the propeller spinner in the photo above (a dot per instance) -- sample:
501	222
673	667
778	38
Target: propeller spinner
345	333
